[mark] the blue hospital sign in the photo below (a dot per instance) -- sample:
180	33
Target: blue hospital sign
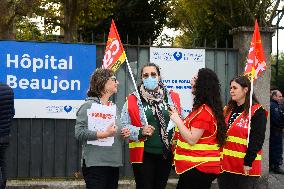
50	79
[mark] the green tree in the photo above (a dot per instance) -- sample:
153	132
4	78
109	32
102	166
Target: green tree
27	30
137	21
11	12
73	15
69	15
93	18
277	81
211	20
143	19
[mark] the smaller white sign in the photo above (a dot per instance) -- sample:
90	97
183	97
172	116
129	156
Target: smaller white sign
43	108
99	118
178	66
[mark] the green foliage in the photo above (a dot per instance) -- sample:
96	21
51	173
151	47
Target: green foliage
27	31
211	20
52	13
277	82
134	19
143	19
13	11
92	20
88	20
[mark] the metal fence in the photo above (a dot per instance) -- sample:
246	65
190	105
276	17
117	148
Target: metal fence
47	148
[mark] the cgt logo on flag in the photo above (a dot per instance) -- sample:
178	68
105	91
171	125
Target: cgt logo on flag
114	53
256	59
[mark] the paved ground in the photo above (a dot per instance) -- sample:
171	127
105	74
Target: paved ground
275	182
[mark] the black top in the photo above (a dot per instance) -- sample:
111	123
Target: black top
6	109
276	116
257	132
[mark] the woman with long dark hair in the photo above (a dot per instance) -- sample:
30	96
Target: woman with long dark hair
241	162
201	134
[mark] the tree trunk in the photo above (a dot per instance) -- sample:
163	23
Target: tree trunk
7	18
70	25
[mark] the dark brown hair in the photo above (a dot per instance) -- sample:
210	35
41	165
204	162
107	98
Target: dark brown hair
98	82
150	65
243	81
208	91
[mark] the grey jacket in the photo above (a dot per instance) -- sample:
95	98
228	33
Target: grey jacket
92	154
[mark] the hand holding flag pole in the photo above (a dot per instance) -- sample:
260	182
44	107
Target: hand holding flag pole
255	64
115	56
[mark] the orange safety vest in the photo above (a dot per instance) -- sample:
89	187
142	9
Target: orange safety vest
204	153
136	148
235	148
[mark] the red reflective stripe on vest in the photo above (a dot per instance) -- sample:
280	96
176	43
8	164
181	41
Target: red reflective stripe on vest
235	149
133	110
136	154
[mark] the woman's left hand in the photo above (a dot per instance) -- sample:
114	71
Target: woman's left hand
125	132
246	170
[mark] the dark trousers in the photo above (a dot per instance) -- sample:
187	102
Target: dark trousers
153	173
275	148
101	177
235	181
193	178
4	142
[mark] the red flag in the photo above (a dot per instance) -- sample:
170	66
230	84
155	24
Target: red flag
114	53
256	60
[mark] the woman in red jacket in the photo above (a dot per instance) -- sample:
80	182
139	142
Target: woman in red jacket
197	154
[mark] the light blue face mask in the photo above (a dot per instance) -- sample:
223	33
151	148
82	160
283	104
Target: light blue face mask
151	83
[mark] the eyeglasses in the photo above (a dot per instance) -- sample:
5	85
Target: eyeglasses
146	75
113	78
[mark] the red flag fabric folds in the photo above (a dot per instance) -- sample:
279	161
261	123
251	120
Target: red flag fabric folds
256	60
114	53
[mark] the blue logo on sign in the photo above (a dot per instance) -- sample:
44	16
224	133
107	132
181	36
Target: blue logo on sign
177	55
67	108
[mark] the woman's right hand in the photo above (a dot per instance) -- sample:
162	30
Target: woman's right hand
174	116
148	130
125	132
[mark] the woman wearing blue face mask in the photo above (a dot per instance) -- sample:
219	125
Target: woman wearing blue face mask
150	146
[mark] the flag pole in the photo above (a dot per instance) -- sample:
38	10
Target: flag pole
136	89
132	78
254	66
250	105
251	87
129	68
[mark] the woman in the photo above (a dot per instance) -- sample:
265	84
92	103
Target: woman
241	163
197	155
150	145
100	164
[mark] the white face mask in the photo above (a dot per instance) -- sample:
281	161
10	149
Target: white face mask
150	83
